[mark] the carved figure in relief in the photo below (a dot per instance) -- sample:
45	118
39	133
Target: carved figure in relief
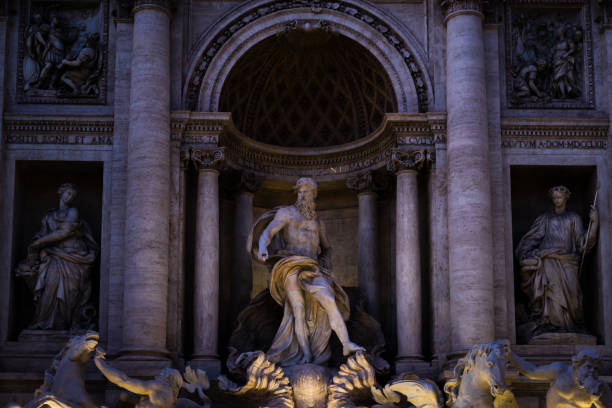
160	392
292	240
479	378
82	73
564	62
571	385
64	384
58	267
550	257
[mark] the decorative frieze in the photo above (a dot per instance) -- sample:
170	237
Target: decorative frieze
549	55
58	132
63	52
571	135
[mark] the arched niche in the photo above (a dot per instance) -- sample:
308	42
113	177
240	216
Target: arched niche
221	47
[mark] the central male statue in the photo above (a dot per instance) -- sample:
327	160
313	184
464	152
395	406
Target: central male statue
292	241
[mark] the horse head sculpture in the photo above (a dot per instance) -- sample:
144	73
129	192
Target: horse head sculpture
479	376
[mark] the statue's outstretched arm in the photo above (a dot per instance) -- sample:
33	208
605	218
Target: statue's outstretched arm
545	372
278	222
121	379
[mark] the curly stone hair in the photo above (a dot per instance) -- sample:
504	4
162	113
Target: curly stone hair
560	189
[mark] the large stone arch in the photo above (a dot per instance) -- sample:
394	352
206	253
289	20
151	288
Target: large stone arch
223	44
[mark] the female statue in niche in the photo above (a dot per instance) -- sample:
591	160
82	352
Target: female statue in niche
550	255
58	267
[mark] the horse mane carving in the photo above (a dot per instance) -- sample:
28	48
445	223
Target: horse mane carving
464	365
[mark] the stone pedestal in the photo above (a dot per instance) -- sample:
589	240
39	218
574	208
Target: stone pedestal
469	186
148	183
368	240
206	279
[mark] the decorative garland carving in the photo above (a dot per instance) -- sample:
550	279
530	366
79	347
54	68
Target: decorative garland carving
344	7
58	132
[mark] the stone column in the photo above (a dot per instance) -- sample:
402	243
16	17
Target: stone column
407	164
367	267
148	184
469	179
242	275
206	279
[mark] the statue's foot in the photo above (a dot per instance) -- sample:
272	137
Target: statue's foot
349	347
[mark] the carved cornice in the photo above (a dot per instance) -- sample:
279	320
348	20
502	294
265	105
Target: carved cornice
58	132
348	9
415	131
587	134
452	8
208	159
409	160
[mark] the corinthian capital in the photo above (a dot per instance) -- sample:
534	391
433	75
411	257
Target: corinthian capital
208	159
454	7
366	183
408	160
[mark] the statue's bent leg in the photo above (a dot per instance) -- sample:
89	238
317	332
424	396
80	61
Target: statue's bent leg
296	301
326	299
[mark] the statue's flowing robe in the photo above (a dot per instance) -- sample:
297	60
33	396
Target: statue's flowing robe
63	286
312	277
553	288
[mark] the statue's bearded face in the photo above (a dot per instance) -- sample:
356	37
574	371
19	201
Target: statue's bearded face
305	203
586	375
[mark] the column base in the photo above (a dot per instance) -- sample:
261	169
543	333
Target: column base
210	364
414	365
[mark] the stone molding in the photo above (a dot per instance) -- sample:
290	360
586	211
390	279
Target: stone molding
329	163
574	134
207	159
452	8
409	160
20	131
207	51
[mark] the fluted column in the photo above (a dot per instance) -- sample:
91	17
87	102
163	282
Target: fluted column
148	184
367	266
406	165
242	275
469	179
206	279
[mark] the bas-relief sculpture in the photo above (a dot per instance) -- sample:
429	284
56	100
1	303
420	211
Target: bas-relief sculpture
551	256
293	242
547	50
62	52
58	268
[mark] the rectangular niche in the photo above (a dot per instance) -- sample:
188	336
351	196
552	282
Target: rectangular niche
530	199
549	55
54	31
36	192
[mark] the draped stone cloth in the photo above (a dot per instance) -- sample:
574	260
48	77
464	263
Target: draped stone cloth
554	244
63	286
312	277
